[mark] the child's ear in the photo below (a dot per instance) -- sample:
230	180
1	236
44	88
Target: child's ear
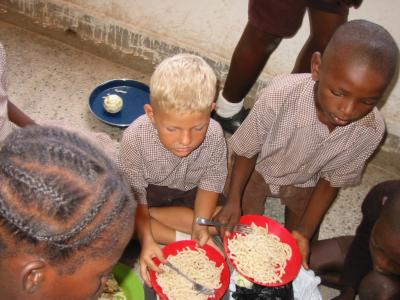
213	106
33	276
315	65
148	109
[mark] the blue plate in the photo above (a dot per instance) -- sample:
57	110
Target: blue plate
134	93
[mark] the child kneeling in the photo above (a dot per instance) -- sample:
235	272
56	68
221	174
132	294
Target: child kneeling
175	157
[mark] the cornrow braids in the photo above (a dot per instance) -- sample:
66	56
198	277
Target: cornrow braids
58	192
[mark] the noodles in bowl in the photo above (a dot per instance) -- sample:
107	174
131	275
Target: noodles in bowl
196	265
260	255
202	264
268	256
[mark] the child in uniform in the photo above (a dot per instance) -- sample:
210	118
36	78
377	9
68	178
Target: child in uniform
270	21
10	115
310	134
174	157
66	216
368	263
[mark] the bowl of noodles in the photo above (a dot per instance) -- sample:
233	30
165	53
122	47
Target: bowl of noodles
204	264
268	256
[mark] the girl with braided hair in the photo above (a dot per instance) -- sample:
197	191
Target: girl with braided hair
66	216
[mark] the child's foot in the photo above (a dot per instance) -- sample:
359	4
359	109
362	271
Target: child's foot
231	124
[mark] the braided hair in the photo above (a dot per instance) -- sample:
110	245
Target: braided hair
59	194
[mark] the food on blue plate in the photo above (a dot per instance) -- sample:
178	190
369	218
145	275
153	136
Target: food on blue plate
260	255
112	103
196	265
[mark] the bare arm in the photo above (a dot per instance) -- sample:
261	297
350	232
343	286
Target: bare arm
321	200
205	205
241	171
150	248
17	116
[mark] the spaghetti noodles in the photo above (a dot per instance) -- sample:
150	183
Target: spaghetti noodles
197	266
260	255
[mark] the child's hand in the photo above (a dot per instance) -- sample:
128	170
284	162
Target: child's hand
203	237
304	247
229	215
150	249
200	234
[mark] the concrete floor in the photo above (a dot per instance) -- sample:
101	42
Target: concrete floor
51	80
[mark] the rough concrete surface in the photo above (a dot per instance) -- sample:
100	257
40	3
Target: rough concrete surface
52	80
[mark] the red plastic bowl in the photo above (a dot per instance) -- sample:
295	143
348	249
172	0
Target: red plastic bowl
212	254
294	263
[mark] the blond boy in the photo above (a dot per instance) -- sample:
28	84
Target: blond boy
174	157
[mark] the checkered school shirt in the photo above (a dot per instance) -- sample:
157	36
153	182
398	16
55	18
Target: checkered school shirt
144	160
6	126
294	147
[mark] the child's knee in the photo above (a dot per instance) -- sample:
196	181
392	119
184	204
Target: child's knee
376	286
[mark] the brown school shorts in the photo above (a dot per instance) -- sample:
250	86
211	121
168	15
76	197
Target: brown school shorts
162	196
284	17
294	198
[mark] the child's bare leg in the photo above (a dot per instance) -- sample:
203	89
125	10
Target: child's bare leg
322	26
176	217
162	233
379	286
327	259
248	60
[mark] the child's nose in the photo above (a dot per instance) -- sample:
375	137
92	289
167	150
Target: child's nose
186	138
348	108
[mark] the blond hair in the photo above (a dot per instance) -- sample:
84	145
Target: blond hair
183	83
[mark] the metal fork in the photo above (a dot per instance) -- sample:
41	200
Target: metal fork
240	228
199	288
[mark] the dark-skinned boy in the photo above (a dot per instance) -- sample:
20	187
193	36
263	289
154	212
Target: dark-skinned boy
310	134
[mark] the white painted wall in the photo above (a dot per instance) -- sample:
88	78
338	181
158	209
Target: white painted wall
213	27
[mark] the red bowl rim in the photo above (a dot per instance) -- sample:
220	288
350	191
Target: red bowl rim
294	263
214	255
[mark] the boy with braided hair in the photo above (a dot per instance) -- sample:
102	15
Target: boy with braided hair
61	204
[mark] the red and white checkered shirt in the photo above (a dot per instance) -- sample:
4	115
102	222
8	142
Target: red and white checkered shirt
294	147
6	126
144	160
